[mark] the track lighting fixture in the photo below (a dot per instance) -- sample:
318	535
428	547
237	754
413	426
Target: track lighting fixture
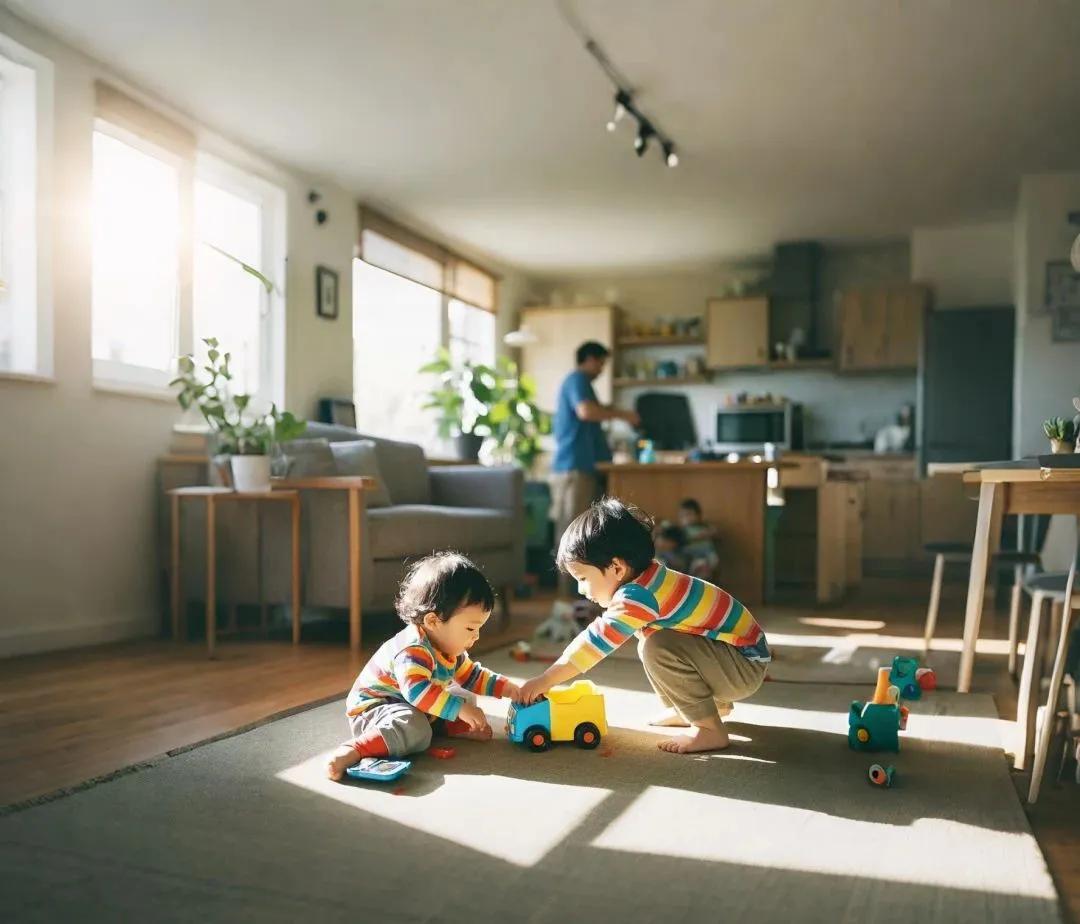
641	142
670	157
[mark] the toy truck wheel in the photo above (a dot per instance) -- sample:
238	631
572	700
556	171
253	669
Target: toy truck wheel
587	736
880	776
537	738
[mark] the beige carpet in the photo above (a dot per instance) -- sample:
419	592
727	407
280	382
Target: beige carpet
783	826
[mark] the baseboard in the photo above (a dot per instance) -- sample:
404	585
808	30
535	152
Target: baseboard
34	641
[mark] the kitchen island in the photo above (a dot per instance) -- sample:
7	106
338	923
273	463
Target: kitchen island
732	496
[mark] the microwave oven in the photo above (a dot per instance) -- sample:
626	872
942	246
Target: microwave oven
748	427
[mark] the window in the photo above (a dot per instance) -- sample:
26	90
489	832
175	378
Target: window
397	325
136	267
25	127
472	333
240	216
411	296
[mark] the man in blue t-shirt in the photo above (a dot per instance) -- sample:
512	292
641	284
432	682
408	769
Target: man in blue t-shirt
579	439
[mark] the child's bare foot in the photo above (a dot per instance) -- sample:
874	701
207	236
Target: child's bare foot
340	761
669	719
699	738
483	733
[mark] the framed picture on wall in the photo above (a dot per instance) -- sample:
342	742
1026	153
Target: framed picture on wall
1062	286
326	292
1065	325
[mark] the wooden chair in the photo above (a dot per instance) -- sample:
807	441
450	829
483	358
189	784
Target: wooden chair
1031	534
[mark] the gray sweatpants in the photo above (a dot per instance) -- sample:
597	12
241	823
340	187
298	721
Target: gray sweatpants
697	675
404	728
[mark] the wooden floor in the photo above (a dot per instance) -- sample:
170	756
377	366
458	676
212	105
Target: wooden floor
70	717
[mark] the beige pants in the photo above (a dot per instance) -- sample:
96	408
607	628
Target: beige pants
571	494
696	675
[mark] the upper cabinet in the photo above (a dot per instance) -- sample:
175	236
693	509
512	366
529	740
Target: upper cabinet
880	328
737	332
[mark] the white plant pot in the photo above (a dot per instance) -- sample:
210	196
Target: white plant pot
251	474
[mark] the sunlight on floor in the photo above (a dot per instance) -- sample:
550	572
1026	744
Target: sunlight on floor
897	643
832	622
939	852
515	820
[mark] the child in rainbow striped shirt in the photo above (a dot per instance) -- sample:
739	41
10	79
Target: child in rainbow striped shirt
701	648
423	679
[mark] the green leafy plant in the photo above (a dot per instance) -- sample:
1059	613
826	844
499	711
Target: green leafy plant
1058	428
240	430
494	402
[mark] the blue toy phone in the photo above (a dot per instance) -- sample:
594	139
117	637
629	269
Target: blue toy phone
379	769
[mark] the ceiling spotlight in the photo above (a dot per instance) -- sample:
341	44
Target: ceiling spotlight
620	111
670	157
641	142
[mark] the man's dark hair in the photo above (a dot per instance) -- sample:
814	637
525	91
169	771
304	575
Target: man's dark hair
673	533
609	529
442	584
691	504
591	349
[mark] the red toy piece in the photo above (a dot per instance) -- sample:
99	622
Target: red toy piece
442	753
926	678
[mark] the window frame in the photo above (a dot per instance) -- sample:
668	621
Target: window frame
272	201
37	347
109	375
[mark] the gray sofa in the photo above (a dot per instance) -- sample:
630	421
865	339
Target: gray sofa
473	509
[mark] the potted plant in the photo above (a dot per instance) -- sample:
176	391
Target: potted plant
1060	433
477	402
1076	419
242	432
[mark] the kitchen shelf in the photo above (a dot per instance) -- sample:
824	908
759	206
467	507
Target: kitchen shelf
824	363
658	340
673	380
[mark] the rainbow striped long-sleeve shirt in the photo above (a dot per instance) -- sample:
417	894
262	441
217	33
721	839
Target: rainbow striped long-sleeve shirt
662	598
409	667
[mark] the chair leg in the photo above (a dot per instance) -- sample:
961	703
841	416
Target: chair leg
935	601
1014	617
1028	694
1042	744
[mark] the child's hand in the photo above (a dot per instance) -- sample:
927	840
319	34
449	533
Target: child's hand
511	691
532	690
473	716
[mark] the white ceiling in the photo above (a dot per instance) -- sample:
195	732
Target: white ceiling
842	120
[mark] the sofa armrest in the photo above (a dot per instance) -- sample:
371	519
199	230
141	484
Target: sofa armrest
497	487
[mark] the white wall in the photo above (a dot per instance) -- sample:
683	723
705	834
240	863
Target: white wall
838	408
1047	373
968	265
77	470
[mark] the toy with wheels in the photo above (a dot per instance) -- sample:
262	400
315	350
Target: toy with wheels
910	679
881	776
875	726
574	713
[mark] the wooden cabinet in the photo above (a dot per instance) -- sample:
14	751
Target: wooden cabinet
891	526
737	333
880	328
557	333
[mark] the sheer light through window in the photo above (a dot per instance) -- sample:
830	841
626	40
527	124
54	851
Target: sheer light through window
136	228
229	304
472	333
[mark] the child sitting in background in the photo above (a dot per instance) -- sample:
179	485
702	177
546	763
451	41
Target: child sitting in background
423	676
670	540
701	648
699	548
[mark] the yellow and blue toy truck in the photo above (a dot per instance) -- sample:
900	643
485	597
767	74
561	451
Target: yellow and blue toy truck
574	713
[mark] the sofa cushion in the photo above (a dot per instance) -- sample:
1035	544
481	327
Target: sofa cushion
403	465
407	530
357	457
310	458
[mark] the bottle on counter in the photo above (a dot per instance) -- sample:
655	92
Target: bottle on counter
646	453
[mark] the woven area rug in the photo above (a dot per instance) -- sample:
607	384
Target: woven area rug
783	826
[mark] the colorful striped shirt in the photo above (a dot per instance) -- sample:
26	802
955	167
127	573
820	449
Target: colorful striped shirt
662	598
409	667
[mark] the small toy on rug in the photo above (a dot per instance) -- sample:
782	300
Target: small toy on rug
881	776
574	713
560	627
910	679
379	769
521	651
875	725
442	753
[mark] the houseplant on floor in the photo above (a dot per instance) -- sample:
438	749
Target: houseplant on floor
244	433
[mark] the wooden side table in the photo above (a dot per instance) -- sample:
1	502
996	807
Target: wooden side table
354	485
213	495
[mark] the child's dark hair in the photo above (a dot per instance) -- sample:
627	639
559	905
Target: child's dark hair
609	529
692	505
672	533
442	584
